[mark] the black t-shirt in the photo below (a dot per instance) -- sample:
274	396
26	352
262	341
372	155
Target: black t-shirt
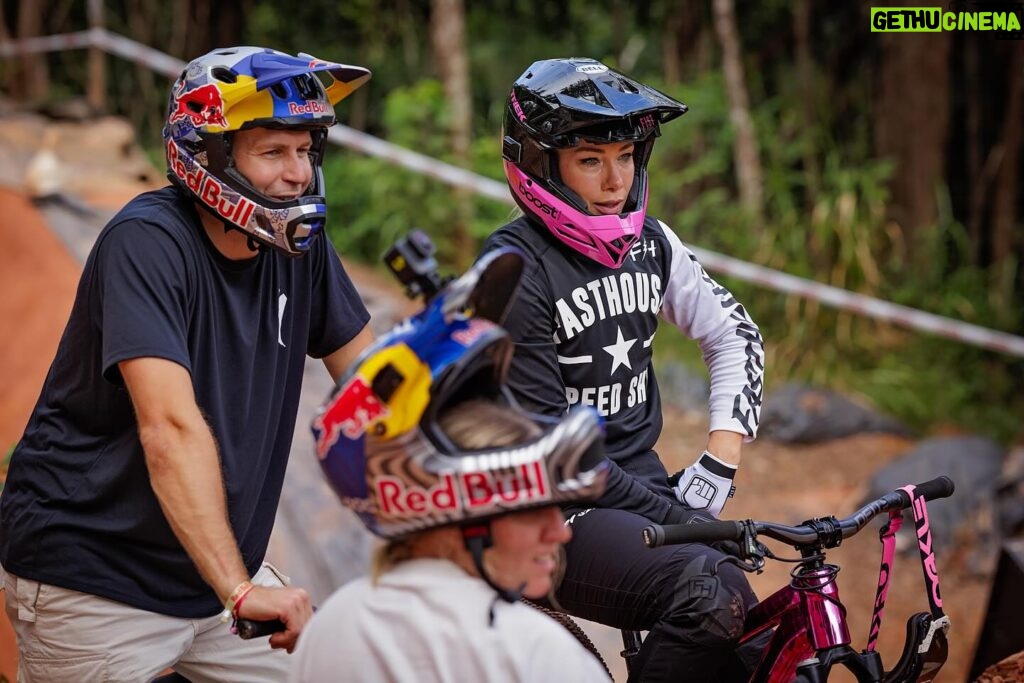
78	510
584	335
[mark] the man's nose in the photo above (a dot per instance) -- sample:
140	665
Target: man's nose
297	169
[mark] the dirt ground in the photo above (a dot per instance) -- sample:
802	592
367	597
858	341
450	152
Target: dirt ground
777	482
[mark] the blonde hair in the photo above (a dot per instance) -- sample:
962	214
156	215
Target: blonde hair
471	425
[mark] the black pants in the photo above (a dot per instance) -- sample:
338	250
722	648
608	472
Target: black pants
694	612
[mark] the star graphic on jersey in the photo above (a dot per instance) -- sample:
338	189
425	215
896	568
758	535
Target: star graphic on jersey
620	351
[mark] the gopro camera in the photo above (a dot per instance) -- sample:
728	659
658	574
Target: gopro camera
411	260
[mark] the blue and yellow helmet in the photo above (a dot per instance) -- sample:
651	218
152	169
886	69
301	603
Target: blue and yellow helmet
384	453
231	89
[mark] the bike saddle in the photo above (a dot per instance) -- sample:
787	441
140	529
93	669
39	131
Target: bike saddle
924	650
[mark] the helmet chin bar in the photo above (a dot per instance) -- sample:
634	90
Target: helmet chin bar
605	239
477	538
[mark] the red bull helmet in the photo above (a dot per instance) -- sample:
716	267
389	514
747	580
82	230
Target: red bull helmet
559	103
248	87
379	442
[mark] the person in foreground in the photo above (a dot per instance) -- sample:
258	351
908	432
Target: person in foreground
422	441
141	497
577	138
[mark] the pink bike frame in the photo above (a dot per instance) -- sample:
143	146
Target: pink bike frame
806	621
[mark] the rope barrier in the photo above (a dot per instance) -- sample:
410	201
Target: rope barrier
835	297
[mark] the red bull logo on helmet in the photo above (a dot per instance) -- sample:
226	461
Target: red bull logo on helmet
348	413
308	107
202	106
472	332
229	205
475	492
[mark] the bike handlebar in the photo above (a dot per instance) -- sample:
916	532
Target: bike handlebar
823	531
248	629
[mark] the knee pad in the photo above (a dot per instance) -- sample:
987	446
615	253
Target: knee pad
709	605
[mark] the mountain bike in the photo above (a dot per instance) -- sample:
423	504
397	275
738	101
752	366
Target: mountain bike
811	635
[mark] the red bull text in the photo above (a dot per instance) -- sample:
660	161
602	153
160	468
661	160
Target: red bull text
476	328
309	107
348	413
470	491
237	210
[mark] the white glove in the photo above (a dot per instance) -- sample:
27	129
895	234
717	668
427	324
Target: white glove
705	485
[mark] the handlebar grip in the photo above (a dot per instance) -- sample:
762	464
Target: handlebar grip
939	487
657	535
248	628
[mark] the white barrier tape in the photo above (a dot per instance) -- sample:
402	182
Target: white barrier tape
452	175
459	177
37	44
137	52
862	304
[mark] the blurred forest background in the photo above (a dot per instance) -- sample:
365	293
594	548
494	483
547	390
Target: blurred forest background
884	163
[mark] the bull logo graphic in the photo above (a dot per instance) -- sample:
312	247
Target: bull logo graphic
348	413
202	105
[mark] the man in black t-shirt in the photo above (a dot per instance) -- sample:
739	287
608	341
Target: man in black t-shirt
140	500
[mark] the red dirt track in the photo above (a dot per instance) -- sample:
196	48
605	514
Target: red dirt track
38	277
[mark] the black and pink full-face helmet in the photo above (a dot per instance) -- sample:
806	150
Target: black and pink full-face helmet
559	103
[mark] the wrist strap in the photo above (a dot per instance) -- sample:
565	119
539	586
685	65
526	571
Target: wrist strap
715	466
887	535
928	565
234	600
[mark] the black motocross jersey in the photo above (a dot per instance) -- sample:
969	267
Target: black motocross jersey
584	335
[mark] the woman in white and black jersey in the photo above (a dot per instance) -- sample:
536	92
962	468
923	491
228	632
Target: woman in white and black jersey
577	138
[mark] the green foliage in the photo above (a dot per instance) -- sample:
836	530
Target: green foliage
371	202
830	228
837	235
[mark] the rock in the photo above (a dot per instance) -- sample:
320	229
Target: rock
801	414
683	388
974	464
1010	496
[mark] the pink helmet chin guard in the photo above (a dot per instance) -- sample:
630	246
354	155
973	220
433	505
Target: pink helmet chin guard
605	239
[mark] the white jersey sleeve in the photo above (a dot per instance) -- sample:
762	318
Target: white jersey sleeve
729	340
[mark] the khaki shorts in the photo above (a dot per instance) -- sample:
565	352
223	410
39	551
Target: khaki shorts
69	637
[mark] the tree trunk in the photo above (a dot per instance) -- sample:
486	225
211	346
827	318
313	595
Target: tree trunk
745	150
976	179
178	43
96	89
1007	185
911	123
805	71
672	25
448	36
32	82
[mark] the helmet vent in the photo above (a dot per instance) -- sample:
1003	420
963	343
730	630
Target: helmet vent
387	381
307	86
279	91
224	75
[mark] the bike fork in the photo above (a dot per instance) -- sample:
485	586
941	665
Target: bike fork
631	642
